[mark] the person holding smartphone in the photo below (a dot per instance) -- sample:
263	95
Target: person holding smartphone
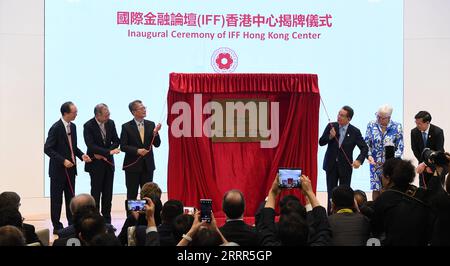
294	227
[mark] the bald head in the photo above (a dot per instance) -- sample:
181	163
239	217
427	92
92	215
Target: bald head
81	200
233	204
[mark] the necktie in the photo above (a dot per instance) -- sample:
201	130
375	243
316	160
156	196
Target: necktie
341	135
141	131
103	131
424	138
69	138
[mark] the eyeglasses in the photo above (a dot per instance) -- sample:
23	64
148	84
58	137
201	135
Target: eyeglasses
381	117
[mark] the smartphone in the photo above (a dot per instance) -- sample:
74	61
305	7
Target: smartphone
136	205
205	210
289	177
189	210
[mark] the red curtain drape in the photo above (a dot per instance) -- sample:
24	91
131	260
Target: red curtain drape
199	168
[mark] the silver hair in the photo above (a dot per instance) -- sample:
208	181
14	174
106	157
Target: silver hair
385	109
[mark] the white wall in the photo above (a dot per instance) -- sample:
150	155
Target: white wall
22	136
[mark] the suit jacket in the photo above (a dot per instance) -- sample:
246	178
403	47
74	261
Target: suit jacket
130	142
30	234
240	232
95	145
435	141
352	139
58	149
349	229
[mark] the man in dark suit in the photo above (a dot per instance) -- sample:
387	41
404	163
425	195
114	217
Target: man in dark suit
425	135
102	143
137	138
61	147
235	229
341	138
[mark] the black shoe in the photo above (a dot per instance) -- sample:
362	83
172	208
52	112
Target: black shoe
56	230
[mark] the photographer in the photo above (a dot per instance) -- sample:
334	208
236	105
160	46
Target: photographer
203	234
402	213
294	228
439	163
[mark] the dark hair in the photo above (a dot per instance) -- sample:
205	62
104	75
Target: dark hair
363	196
99	107
206	237
286	199
182	225
105	240
424	115
65	108
9	199
91	225
79	215
389	166
10	216
232	207
403	175
343	197
170	210
349	110
133	104
292	205
293	230
11	236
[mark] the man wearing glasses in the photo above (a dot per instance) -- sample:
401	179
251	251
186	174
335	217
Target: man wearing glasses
137	138
61	147
341	138
102	143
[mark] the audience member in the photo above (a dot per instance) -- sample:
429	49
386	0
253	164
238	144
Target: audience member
11	236
235	229
348	226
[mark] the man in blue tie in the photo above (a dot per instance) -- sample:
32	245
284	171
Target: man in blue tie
425	135
341	138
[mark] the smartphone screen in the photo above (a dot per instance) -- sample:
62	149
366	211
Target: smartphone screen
136	205
205	210
289	177
189	210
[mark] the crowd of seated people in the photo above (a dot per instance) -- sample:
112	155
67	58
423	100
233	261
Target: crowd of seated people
403	215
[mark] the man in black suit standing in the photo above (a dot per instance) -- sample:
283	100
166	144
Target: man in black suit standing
137	138
341	138
61	147
425	135
102	143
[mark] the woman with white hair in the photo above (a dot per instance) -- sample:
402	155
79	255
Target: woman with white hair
380	134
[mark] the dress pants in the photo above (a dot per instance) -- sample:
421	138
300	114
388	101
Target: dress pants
58	186
335	175
102	179
134	180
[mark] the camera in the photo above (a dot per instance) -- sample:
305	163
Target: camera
435	158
